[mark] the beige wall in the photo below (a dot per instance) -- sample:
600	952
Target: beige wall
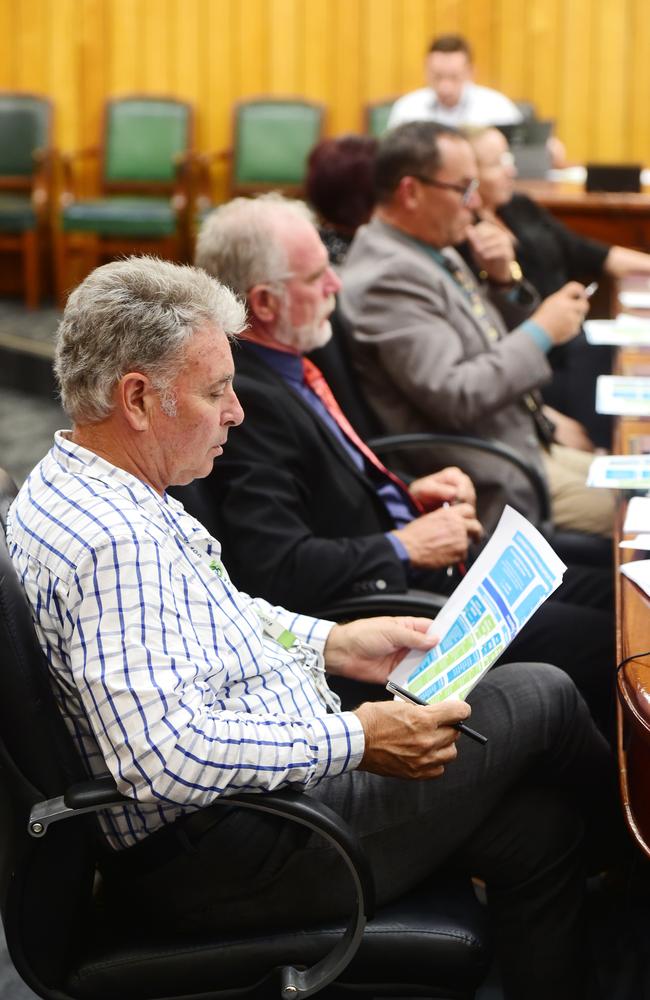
585	63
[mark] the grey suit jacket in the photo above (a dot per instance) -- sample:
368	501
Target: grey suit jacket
426	362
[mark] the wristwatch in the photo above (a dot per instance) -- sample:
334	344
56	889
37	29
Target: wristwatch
515	276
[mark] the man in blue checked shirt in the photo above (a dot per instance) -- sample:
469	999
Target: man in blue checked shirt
186	689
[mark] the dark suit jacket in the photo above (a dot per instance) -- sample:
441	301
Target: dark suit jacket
299	523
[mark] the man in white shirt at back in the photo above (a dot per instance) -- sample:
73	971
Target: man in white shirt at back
452	97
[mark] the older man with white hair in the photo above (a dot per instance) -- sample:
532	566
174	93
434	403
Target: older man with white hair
187	689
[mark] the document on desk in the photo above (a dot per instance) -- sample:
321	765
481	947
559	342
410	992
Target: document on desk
638	572
620	472
638	543
635	298
637	515
623	395
624	331
514	574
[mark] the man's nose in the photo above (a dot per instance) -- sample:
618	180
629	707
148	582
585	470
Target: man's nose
332	281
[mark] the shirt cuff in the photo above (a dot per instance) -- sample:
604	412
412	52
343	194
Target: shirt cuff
400	551
341	743
538	334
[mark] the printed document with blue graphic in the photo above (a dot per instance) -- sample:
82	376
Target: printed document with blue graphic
512	577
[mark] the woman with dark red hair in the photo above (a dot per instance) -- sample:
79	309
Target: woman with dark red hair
340	188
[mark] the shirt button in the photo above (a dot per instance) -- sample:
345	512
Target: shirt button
381	585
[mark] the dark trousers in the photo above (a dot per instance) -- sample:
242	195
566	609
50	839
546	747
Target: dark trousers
519	813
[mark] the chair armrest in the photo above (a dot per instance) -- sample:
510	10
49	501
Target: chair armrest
419	603
402	442
69	160
94	795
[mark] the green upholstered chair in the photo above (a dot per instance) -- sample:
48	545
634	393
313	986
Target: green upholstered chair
272	138
375	116
25	173
141	179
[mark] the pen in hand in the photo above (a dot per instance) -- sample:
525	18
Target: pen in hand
460	726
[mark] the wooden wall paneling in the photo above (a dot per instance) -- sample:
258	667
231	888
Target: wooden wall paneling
283	44
250	38
63	51
347	99
448	16
544	52
9	28
124	52
609	91
513	55
415	39
156	46
478	27
379	42
317	52
30	40
577	107
220	91
188	31
638	120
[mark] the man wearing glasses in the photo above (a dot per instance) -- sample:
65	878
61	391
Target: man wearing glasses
432	341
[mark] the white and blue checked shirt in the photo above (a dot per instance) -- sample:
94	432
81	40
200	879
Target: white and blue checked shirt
159	664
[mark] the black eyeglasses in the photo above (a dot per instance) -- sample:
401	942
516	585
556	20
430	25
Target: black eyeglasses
466	190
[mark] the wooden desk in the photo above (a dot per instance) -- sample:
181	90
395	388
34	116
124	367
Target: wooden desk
632	436
620	219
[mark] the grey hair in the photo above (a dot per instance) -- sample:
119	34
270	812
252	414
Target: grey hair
136	314
237	243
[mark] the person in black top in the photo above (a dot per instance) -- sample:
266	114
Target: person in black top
549	255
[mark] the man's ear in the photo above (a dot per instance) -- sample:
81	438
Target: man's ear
135	397
263	303
407	193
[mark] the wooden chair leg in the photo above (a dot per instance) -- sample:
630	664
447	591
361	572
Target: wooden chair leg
61	279
31	268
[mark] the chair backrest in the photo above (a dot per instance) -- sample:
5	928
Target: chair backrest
25	126
375	116
272	140
143	136
45	884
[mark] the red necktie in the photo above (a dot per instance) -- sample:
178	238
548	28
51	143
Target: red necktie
315	379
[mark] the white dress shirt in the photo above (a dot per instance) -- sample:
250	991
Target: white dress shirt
478	106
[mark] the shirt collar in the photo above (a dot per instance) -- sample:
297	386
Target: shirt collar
80	461
457	108
288	366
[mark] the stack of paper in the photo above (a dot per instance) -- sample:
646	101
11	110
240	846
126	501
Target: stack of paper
514	574
638	572
624	331
639	299
623	395
637	515
620	472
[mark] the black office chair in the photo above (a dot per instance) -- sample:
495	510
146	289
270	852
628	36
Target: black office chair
430	943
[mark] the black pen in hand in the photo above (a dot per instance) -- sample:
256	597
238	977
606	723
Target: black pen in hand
460	726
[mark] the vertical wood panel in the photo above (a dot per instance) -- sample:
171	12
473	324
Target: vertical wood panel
512	48
124	58
378	48
282	43
582	62
577	107
251	45
156	46
9	28
415	16
609	86
639	85
62	88
346	112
